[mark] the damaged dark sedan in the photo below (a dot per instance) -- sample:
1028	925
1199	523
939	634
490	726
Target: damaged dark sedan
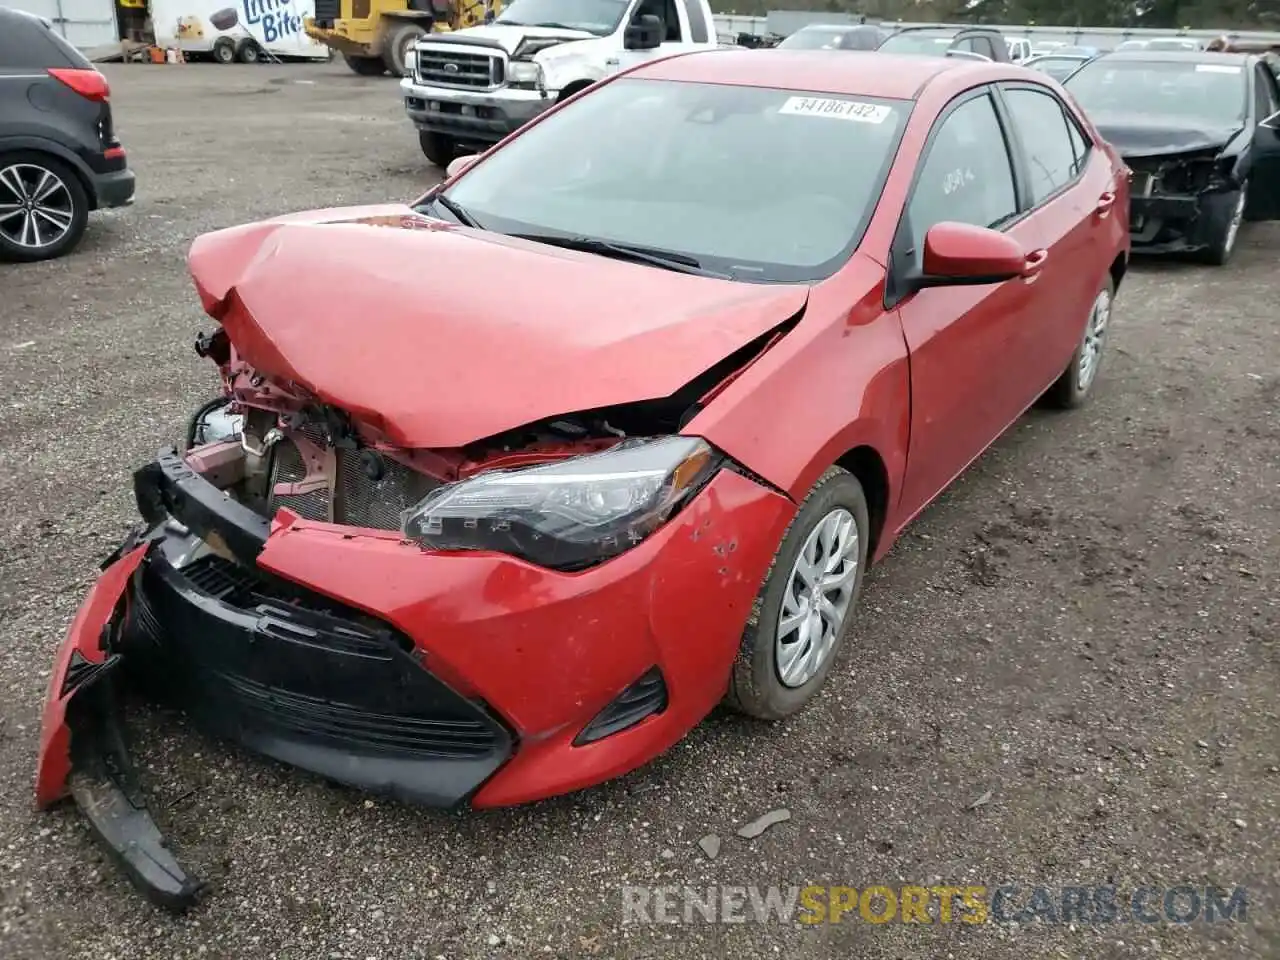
1199	132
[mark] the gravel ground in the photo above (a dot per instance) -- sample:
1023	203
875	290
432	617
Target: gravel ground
1082	632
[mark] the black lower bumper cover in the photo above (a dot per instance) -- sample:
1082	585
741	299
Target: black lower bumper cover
266	664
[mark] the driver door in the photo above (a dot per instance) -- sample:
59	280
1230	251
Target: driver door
1264	176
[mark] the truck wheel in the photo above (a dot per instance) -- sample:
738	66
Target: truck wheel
365	66
248	51
439	149
400	40
224	50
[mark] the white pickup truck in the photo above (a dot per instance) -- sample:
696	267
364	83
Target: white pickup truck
468	89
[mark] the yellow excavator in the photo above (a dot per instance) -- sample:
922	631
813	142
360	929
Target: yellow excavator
375	36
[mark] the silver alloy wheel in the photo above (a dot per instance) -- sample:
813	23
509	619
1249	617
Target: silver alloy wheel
818	595
1095	338
36	208
1233	228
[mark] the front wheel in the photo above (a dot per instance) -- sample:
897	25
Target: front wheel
806	603
1225	214
438	148
1072	388
224	50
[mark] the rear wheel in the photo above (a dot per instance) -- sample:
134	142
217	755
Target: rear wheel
806	603
248	51
365	66
438	148
1072	388
224	50
43	207
400	40
1225	214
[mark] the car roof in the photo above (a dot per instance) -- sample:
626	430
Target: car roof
886	75
1175	56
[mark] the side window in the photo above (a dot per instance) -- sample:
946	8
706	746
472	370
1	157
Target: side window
1042	128
698	30
1079	144
671	16
966	44
967	175
1264	94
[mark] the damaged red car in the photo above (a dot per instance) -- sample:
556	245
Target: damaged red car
509	487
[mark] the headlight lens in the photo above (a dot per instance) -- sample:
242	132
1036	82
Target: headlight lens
570	514
411	61
523	71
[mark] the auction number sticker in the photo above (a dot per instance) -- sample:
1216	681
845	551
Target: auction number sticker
1216	68
836	109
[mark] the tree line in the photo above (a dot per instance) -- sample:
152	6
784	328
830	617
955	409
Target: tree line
1160	14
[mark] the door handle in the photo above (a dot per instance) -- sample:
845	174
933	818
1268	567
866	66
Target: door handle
1105	203
1034	263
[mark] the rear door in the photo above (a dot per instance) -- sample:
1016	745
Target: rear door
1069	198
968	380
1264	178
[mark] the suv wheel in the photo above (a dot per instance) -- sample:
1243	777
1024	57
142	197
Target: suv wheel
43	207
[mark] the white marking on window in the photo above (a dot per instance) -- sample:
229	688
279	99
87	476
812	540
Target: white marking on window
836	109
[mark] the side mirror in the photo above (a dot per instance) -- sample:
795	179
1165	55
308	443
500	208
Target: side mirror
962	255
644	33
459	165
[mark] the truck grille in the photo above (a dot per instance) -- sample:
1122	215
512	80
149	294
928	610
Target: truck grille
463	70
355	497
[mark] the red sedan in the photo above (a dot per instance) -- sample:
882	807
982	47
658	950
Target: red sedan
506	490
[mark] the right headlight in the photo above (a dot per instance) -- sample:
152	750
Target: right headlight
525	72
569	514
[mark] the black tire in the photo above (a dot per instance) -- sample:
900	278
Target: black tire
1225	213
438	148
365	66
1068	392
224	50
397	44
755	685
71	198
572	91
248	51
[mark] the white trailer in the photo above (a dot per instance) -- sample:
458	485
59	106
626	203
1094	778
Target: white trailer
245	30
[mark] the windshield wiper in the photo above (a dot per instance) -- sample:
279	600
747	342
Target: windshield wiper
459	212
552	25
666	259
512	23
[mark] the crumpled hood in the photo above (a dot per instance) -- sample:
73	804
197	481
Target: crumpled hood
441	336
1137	136
510	37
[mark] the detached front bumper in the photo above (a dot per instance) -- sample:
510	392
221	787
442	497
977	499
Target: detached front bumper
433	678
471	117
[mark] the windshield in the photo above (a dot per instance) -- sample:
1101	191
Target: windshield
918	41
600	17
755	183
808	39
1207	94
1174	45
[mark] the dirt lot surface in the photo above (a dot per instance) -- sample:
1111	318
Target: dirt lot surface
1082	634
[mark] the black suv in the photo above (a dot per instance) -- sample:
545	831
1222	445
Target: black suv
59	156
986	42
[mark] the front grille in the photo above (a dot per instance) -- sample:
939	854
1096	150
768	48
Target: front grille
465	70
368	490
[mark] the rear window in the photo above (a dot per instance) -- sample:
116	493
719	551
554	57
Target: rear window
922	42
26	43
